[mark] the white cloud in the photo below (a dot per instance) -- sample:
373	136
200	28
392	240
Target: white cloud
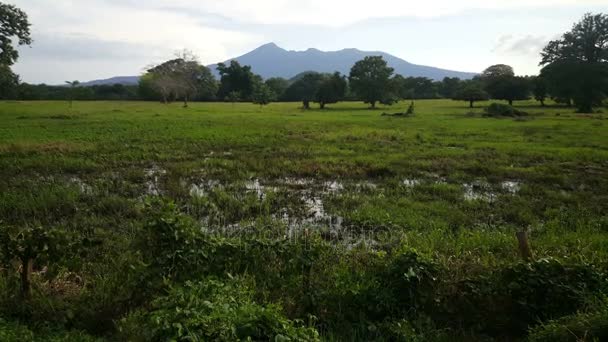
336	13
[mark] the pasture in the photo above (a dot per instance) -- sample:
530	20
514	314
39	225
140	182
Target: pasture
448	183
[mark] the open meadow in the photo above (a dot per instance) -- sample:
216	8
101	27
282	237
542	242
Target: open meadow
341	221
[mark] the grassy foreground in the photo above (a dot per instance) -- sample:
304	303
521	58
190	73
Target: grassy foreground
338	224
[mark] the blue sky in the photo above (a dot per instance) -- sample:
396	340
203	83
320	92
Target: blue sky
92	39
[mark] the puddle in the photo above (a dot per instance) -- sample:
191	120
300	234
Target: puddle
84	187
511	187
153	175
478	191
411	182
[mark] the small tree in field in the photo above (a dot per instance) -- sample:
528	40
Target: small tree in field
73	85
30	245
470	91
370	79
262	95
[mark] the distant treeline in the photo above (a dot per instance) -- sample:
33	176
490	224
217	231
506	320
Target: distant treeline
282	90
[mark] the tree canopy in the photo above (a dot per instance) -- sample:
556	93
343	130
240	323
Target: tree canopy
470	91
370	79
14	23
576	66
235	77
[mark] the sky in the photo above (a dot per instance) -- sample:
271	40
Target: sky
95	39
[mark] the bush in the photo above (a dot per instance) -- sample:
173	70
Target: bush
509	301
575	328
15	332
499	109
212	310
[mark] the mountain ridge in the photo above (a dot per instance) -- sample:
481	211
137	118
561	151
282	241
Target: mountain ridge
270	60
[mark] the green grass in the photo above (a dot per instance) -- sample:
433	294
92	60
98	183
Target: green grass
88	168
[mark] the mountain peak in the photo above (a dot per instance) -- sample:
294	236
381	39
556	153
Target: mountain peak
269	46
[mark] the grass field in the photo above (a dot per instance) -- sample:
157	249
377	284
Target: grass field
448	182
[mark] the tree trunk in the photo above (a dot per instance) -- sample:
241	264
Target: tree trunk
510	102
306	104
471	103
524	247
542	103
185	101
27	265
373	104
322	105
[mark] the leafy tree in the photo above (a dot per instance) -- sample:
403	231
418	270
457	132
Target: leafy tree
13	24
498	70
278	85
183	77
331	89
262	95
470	91
576	66
449	86
305	88
501	83
235	77
370	79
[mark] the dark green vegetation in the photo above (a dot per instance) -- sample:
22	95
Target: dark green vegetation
144	221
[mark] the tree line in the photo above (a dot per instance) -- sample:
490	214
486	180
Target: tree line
575	72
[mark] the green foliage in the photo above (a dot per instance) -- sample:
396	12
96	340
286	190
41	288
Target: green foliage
305	88
586	83
14	332
262	94
499	109
278	85
236	78
331	89
511	300
14	23
8	82
213	310
574	328
471	91
575	65
370	80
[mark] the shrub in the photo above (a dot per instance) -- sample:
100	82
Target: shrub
575	328
499	109
212	310
509	301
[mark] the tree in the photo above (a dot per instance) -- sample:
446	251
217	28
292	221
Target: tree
576	66
496	71
331	89
13	24
236	78
8	82
262	95
539	89
501	83
449	86
415	87
278	85
305	88
233	96
370	79
470	91
31	245
73	85
183	77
